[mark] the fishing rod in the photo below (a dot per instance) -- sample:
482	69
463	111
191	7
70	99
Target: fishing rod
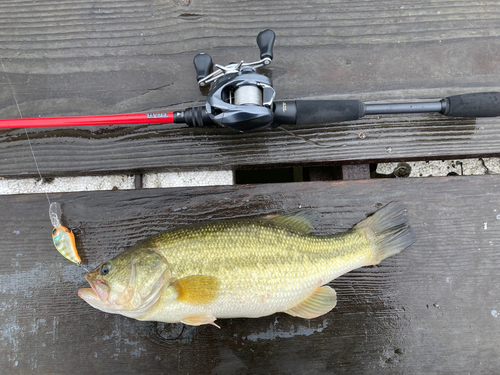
242	99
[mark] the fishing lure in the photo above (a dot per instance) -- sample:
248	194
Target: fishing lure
63	238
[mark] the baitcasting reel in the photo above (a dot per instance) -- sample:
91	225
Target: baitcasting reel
240	98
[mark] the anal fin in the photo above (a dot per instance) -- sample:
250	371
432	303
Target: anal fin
198	320
320	302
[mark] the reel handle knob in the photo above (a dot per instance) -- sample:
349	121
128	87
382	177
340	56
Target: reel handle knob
202	64
265	41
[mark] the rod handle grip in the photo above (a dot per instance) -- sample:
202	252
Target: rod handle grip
481	104
308	112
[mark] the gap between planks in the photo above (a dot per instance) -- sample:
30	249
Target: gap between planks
226	177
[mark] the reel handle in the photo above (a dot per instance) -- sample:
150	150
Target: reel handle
202	64
265	41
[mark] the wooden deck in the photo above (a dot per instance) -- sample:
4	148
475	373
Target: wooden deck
431	309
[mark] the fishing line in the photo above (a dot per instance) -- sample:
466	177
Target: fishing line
66	245
25	131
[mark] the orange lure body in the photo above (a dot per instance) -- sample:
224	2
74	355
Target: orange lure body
64	241
63	238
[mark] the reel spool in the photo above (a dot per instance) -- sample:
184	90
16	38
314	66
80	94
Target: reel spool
247	94
240	98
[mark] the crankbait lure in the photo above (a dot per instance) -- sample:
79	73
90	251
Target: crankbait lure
63	238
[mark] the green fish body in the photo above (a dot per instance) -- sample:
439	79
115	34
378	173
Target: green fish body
243	268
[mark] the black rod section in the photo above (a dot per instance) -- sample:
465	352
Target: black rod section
303	112
397	108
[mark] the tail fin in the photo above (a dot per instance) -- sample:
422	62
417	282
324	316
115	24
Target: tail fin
389	231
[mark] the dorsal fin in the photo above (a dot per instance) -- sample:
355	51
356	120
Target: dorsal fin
303	221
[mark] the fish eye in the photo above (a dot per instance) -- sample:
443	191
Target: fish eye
54	231
105	268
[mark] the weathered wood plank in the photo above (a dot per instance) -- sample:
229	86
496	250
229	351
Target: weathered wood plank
79	57
431	309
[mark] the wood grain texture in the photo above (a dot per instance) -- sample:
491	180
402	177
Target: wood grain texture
431	309
79	57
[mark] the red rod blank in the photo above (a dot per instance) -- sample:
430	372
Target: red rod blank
123	119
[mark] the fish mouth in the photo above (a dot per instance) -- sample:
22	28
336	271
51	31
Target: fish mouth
92	298
88	295
99	288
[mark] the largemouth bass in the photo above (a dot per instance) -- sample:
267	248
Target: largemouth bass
242	268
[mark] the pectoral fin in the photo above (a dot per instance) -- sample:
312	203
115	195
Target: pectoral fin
198	320
317	304
197	290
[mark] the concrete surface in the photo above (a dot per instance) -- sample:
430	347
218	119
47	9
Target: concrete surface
120	182
464	167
